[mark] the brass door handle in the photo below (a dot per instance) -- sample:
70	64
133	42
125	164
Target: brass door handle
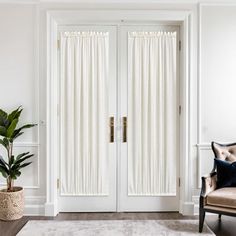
124	131
111	129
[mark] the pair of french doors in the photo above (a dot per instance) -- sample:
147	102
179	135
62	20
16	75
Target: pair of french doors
119	124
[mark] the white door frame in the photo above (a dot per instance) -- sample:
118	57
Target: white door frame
117	17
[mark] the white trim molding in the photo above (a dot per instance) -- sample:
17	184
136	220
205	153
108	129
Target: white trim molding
34	205
201	147
118	17
52	121
209	2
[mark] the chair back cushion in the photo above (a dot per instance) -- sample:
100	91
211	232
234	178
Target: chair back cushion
224	152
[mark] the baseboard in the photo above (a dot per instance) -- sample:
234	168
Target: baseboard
34	206
196	204
187	208
51	209
34	210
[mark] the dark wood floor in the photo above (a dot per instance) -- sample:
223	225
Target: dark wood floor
225	227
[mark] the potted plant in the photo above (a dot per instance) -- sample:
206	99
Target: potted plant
12	198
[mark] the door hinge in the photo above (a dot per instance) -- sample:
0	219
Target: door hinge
179	182
180	110
180	45
58	183
58	44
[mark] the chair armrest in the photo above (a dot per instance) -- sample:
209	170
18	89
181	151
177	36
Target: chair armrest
208	184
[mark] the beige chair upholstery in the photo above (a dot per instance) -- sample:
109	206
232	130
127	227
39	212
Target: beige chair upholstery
223	200
223	197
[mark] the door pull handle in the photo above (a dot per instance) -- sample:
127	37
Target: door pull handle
111	129
124	131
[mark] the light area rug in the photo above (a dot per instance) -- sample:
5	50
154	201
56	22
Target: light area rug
113	228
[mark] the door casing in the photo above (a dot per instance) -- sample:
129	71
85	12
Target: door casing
111	17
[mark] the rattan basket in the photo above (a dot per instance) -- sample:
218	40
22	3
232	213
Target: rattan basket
11	204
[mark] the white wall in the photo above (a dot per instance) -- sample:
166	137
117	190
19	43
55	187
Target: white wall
23	78
218	74
218	82
19	86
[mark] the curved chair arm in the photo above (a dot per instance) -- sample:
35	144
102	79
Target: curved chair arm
208	184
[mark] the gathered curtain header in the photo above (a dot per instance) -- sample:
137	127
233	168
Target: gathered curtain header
151	34
84	34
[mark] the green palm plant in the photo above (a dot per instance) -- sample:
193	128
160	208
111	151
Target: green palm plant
11	167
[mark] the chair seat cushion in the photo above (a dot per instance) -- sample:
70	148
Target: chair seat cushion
223	197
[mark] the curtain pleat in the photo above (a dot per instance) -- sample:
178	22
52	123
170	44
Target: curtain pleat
84	113
152	108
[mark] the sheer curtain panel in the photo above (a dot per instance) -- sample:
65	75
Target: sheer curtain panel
152	110
84	113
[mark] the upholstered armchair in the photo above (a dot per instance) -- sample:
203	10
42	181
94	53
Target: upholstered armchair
215	199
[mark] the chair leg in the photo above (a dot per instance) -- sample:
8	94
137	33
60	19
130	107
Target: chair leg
219	217
201	219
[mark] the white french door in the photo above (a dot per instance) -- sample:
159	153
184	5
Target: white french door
119	96
149	99
88	106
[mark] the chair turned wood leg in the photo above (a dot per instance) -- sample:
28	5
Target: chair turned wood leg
201	219
219	217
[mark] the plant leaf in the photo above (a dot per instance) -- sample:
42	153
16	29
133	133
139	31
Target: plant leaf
24	165
3	143
3	131
3	114
11	128
2	121
17	173
13	176
21	155
3	172
3	118
4	167
23	159
16	135
18	132
3	162
15	114
11	161
15	167
27	126
6	141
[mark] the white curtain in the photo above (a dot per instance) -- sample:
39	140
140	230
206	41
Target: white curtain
84	113
152	111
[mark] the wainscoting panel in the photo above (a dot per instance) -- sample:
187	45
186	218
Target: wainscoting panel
29	178
205	161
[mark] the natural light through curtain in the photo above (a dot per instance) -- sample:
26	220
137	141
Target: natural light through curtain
152	113
84	113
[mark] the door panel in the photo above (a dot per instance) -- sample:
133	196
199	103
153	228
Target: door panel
149	99
88	100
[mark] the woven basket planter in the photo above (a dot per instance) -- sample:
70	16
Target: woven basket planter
11	204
